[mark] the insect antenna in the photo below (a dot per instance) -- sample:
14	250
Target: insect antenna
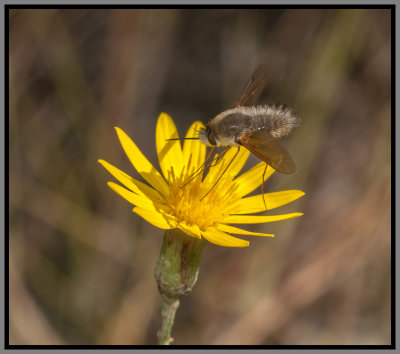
226	168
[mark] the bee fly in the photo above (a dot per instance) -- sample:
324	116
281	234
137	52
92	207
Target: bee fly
257	128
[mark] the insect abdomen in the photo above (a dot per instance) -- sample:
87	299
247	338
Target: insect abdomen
279	119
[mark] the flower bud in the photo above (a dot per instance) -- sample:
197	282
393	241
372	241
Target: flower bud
178	264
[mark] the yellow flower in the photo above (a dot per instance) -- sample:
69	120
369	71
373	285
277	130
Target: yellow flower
167	205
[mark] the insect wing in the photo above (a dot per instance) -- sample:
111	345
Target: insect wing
270	150
254	88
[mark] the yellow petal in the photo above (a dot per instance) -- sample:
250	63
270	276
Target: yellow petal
193	230
169	152
135	199
257	219
223	239
194	150
235	230
255	204
250	180
131	183
157	219
141	164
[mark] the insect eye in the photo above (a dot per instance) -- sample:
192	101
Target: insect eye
211	137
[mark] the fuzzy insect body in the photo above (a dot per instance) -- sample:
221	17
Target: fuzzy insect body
257	128
232	125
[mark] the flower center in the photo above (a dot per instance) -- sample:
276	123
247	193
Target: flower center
202	202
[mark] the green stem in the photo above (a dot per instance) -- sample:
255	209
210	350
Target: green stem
176	273
168	311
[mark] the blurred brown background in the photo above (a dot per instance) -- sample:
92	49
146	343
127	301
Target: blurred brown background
81	264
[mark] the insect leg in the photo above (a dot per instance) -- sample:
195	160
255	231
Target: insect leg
202	167
237	152
262	186
219	158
